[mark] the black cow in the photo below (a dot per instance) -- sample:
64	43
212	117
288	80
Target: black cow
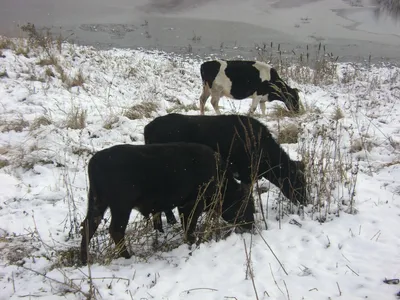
240	79
155	178
242	141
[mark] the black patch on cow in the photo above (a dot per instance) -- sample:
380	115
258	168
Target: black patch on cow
209	70
244	76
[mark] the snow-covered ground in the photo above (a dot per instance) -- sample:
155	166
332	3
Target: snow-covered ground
343	249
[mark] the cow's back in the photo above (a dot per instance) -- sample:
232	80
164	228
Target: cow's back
155	176
229	135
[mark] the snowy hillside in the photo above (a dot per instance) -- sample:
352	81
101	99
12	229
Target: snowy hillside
60	106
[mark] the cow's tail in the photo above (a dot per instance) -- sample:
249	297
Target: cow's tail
95	212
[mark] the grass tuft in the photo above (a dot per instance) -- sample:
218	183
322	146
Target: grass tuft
141	110
4	163
337	114
78	80
179	107
288	134
40	121
17	125
109	123
76	119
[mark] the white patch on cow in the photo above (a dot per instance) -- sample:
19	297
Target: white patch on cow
222	83
264	69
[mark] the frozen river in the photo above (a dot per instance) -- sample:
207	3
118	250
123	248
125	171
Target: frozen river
349	28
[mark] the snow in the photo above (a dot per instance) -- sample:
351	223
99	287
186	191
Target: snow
43	188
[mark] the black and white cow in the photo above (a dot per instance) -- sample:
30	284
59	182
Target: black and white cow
242	141
239	79
155	178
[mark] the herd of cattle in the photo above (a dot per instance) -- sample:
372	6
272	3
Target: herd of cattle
189	161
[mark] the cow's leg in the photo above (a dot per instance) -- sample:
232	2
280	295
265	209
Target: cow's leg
90	224
254	104
203	97
157	222
215	96
119	221
170	217
189	215
262	106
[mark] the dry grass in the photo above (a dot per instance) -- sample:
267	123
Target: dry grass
6	43
331	173
43	39
180	107
22	51
3	74
141	110
280	112
337	114
316	67
50	61
288	134
360	144
78	80
40	121
49	72
17	125
4	163
109	123
76	119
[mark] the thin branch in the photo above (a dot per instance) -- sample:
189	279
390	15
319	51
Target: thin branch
287	292
273	277
340	292
196	289
71	286
250	270
272	252
352	270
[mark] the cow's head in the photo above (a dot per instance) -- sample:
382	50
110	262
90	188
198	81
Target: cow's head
292	98
238	206
294	185
279	90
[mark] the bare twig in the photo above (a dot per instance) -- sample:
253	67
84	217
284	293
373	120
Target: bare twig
273	277
248	259
13	281
272	252
197	289
72	286
287	292
352	270
378	232
340	292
